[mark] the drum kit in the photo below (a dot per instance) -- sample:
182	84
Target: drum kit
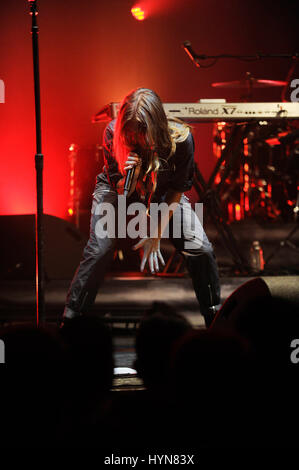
262	180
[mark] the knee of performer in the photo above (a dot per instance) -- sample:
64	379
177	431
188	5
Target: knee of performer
195	248
99	247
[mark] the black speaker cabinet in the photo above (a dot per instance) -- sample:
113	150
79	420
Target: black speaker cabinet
63	246
283	287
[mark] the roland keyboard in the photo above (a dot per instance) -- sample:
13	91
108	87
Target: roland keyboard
215	111
194	112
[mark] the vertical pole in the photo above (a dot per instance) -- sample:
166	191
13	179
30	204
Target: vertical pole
39	160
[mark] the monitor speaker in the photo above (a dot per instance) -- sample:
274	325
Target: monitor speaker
63	246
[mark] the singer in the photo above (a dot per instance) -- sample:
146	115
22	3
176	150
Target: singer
148	158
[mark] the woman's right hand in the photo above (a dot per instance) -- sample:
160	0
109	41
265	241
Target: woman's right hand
133	160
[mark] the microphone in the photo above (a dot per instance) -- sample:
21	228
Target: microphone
129	180
190	52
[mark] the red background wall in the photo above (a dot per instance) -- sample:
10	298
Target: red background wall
94	52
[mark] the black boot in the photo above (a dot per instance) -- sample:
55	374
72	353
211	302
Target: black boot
209	316
204	274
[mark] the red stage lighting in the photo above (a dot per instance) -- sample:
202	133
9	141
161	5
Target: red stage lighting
138	13
238	211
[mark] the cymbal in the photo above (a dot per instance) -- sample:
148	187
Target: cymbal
248	83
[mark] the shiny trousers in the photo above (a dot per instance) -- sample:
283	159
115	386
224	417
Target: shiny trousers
192	242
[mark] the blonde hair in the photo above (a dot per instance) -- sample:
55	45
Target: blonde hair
142	111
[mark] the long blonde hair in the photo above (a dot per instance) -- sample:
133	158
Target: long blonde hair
153	137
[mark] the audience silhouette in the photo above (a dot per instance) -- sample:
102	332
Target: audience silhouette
233	385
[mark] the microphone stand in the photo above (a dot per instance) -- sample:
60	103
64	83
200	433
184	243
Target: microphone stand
39	160
196	58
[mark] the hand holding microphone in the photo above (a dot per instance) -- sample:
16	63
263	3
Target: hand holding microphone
132	166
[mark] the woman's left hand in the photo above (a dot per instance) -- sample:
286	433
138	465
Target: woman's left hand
151	253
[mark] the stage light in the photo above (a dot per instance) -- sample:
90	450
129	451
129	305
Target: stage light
70	211
138	13
237	211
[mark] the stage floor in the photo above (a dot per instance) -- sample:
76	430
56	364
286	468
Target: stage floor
121	299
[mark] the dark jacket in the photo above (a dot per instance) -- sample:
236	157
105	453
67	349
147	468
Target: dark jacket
176	173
